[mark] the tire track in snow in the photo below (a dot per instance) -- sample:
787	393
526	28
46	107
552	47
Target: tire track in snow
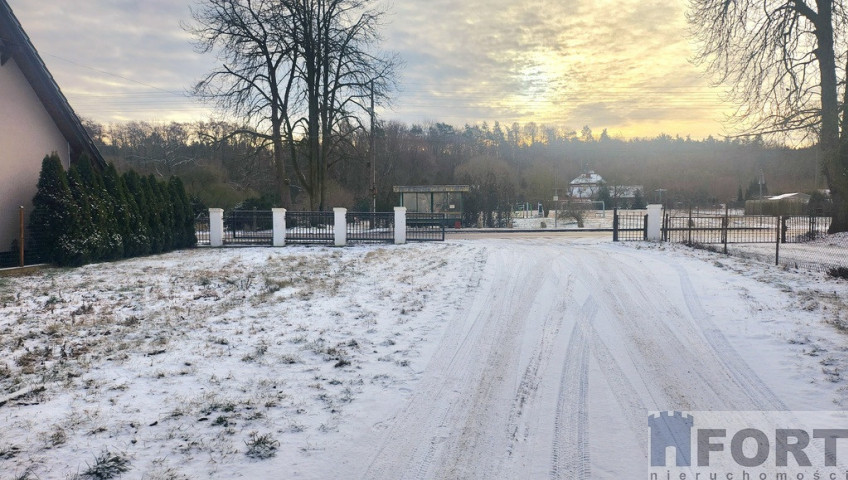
400	450
764	398
480	443
450	426
570	456
632	407
532	376
683	370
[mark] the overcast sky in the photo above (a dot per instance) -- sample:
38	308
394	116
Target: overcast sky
616	64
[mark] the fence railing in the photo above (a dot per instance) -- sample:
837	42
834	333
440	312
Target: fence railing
804	229
201	228
794	241
310	227
370	227
248	227
425	227
629	226
721	229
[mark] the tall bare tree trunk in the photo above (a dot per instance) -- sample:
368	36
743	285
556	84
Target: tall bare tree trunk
829	140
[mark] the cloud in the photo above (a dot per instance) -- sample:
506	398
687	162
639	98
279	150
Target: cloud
619	64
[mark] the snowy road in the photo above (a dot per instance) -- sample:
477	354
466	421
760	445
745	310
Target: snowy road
560	351
535	356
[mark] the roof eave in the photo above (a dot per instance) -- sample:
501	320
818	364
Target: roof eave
17	45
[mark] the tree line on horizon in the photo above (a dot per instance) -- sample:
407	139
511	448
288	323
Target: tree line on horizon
506	165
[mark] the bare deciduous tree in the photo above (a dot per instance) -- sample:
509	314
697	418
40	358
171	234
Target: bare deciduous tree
301	71
255	79
784	60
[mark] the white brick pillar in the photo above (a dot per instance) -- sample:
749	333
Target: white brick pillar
340	226
216	227
279	226
655	221
400	225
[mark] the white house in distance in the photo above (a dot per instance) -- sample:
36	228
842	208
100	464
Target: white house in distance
35	121
586	186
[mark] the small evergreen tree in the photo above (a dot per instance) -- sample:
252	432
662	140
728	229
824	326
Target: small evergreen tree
638	201
83	245
108	241
184	229
153	211
121	211
166	210
138	215
55	215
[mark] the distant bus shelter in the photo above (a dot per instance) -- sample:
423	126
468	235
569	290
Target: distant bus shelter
445	199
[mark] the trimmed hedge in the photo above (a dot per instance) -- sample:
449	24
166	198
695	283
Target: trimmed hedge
85	216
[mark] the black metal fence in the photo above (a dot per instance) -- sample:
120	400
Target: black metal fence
792	241
255	227
723	229
201	228
425	227
629	226
370	227
803	229
248	227
310	227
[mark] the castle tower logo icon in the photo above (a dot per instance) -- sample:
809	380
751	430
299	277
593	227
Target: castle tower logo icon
671	429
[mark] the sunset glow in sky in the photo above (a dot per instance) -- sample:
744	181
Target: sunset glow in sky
621	65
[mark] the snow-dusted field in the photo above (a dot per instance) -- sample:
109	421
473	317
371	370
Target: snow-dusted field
487	358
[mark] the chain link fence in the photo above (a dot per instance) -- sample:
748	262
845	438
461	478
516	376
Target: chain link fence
794	241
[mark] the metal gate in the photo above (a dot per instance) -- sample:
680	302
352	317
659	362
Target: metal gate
248	227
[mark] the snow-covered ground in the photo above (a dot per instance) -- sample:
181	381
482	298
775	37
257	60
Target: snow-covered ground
591	219
486	358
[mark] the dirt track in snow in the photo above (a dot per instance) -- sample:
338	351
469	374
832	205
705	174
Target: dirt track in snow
560	351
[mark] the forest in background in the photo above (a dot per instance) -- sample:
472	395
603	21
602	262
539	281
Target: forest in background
221	167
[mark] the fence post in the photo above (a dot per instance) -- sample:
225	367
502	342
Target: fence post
400	225
813	233
615	224
725	225
654	222
340	226
783	228
21	239
216	227
691	224
278	224
777	241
